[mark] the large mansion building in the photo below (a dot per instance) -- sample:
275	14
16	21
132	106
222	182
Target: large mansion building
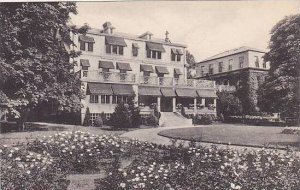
232	68
115	66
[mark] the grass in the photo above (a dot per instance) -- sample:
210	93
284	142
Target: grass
256	136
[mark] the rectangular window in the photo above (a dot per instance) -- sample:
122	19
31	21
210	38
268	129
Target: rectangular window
211	69
90	46
121	50
154	54
135	51
264	65
256	60
105	99
176	76
108	48
158	55
114	99
82	45
220	67
241	61
94	98
230	65
115	49
178	57
173	56
148	53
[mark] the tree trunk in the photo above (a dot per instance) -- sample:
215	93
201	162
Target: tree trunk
23	118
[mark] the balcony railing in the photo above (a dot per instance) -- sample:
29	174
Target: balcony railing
117	77
108	76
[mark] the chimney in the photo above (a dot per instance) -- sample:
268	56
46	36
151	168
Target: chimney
147	35
167	38
108	28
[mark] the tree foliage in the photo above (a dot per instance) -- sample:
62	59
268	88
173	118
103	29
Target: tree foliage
228	104
280	92
35	58
191	64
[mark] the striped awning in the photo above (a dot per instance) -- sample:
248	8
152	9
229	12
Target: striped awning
161	70
147	68
155	46
85	38
186	92
123	66
112	40
106	64
168	92
122	89
99	88
177	71
149	91
85	63
205	93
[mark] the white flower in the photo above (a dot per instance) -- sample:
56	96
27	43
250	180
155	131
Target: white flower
18	159
10	155
123	185
28	172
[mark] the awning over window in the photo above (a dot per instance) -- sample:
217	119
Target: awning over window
173	51
179	52
177	71
147	68
205	93
149	91
85	63
168	92
155	46
122	89
135	45
124	66
186	92
112	40
161	70
106	64
99	88
85	38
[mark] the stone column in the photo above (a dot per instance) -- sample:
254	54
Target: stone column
195	106
215	105
203	101
158	103
110	99
174	104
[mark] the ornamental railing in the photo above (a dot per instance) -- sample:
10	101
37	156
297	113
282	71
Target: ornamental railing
108	76
227	88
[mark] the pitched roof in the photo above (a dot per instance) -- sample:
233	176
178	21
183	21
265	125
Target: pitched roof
231	52
96	31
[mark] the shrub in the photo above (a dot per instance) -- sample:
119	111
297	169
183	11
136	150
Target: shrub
205	119
98	122
121	117
152	120
135	116
104	119
87	119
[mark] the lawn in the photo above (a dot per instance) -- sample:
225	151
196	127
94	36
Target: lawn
236	135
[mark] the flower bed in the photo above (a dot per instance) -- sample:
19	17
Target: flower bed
44	164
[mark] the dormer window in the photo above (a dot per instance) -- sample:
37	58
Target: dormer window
86	43
176	54
154	50
115	45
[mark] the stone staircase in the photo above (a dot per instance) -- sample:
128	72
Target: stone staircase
169	119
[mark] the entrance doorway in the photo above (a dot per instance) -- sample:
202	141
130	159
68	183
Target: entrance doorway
166	104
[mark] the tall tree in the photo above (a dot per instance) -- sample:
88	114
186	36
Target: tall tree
191	64
280	92
34	56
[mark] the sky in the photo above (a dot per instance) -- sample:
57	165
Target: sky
206	27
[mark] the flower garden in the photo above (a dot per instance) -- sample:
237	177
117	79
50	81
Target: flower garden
45	163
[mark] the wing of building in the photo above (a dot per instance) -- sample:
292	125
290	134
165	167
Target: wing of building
115	66
230	67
